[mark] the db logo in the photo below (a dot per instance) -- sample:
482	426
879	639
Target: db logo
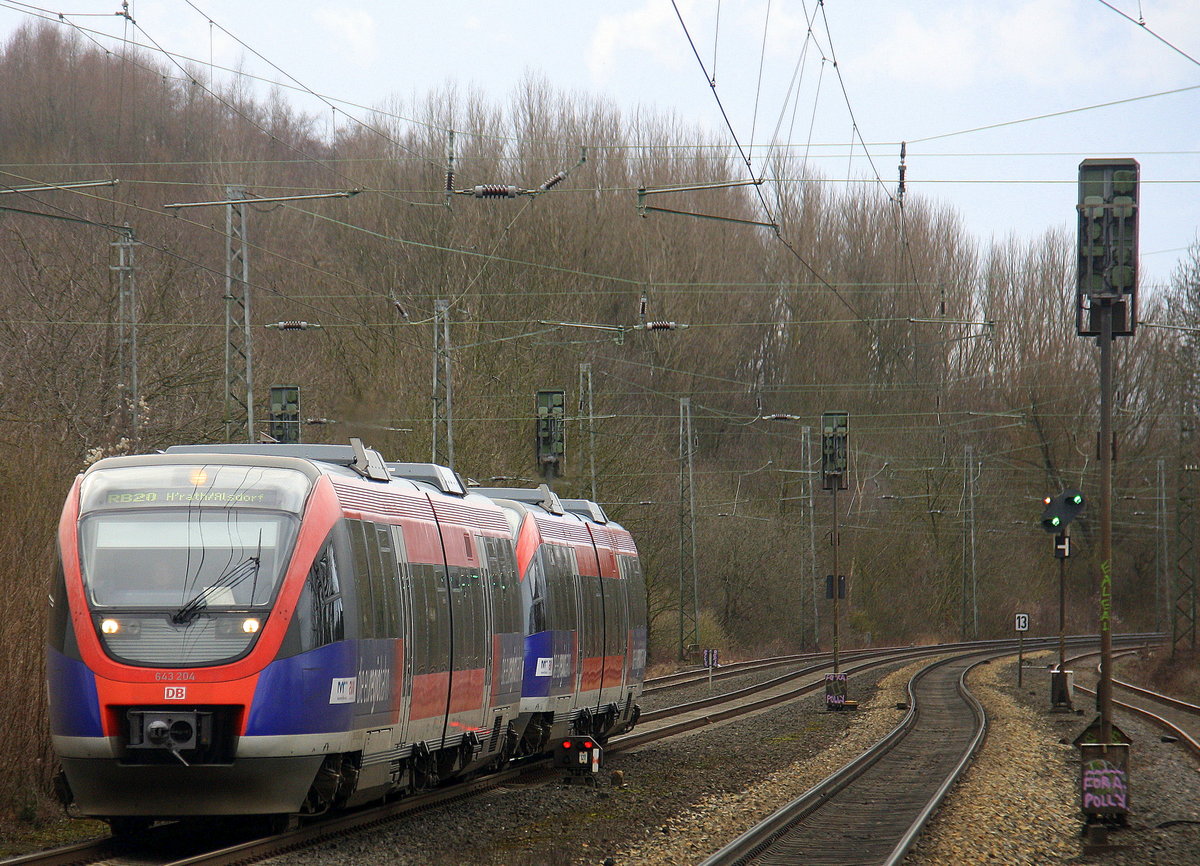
175	693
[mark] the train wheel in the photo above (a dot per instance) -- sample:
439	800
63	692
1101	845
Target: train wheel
327	787
282	822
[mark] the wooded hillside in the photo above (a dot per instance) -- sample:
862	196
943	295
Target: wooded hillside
855	303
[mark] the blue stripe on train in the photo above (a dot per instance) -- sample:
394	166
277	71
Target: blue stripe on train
74	704
296	695
537	646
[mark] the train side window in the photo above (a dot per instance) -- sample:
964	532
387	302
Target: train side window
440	595
571	579
431	625
386	589
319	616
556	588
326	599
509	557
561	582
362	578
614	618
403	580
463	601
503	589
535	576
635	589
422	625
592	624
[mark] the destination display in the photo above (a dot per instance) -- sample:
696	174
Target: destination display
190	496
212	486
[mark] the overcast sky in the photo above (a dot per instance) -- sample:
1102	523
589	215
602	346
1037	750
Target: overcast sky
923	71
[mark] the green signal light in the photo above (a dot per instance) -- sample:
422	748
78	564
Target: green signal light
1054	521
1077	499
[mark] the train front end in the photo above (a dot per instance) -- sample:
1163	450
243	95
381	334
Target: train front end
176	586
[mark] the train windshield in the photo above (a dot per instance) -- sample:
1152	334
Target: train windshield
188	538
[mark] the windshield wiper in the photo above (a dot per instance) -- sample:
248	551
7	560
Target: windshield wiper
187	614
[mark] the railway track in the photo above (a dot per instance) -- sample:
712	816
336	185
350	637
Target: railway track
874	808
1178	719
658	724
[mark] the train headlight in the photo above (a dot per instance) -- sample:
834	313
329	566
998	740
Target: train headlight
198	478
250	626
110	626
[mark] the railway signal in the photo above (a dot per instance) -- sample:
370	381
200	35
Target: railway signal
1056	518
835	427
1107	246
1061	510
550	435
285	414
579	758
1107	291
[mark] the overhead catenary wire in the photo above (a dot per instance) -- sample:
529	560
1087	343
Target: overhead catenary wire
1141	22
749	165
707	325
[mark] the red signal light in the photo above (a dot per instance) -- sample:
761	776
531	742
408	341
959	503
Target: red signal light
587	744
566	744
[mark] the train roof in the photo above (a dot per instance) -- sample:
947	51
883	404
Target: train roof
586	508
541	496
443	478
367	462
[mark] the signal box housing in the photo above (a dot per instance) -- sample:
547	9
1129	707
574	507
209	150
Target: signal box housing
1107	249
579	758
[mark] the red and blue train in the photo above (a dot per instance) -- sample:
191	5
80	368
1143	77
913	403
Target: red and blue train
287	629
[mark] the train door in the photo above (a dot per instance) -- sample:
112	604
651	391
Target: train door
404	592
592	627
429	641
485	616
469	651
562	577
380	648
635	593
583	627
508	643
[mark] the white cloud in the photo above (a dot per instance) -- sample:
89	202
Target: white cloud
1014	45
352	33
646	36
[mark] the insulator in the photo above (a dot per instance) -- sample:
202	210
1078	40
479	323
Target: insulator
293	326
554	181
449	181
660	326
495	190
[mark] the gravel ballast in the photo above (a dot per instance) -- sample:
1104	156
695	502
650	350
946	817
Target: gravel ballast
686	797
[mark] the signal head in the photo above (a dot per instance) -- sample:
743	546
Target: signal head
1061	510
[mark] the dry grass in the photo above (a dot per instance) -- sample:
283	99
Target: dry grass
26	565
1178	675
